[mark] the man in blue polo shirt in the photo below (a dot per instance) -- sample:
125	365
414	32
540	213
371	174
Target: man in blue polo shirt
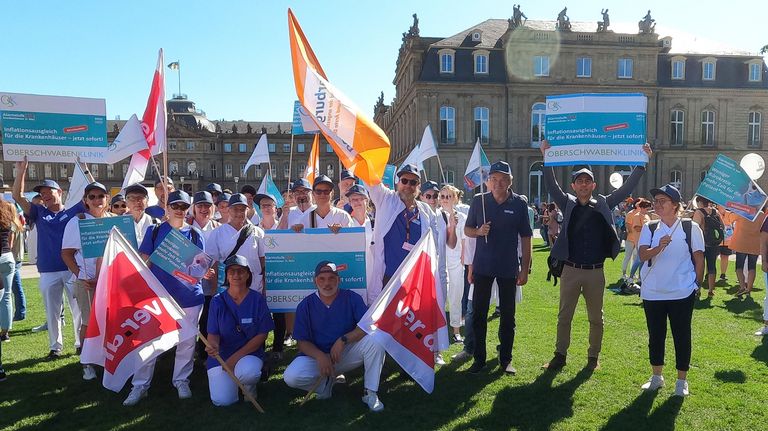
189	297
330	342
50	219
496	218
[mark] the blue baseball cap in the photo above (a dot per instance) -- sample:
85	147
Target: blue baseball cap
248	189
223	197
213	188
322	179
237	260
51	184
257	199
136	188
345	175
179	196
300	183
203	198
95	186
357	189
162	180
668	190
326	266
408	169
238	199
582	171
117	198
501	166
430	185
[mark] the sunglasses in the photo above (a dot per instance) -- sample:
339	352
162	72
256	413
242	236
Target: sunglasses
177	207
118	206
406	182
430	196
322	192
92	197
446	196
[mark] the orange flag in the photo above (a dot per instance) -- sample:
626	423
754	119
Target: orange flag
313	164
360	144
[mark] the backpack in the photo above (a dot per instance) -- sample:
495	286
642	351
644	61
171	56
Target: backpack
687	225
714	230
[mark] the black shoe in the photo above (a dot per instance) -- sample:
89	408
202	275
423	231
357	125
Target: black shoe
53	355
79	351
476	367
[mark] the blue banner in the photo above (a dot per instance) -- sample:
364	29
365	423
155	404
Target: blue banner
388	179
296	127
727	184
94	233
179	257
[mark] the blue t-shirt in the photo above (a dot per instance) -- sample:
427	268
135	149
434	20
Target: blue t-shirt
223	317
50	230
406	228
185	296
322	325
498	257
155	211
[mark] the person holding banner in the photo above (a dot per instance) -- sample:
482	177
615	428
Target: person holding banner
163	187
710	223
293	215
84	270
672	250
189	298
50	219
330	342
499	220
746	244
117	205
764	263
238	325
137	197
401	221
324	214
586	239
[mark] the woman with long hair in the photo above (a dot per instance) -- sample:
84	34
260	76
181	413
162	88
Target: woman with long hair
9	227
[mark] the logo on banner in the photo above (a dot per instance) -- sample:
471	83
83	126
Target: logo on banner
7	101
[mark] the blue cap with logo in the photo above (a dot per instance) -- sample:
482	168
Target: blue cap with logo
357	189
326	266
96	186
300	183
178	196
238	199
668	190
136	188
213	188
410	168
501	166
203	197
322	179
51	184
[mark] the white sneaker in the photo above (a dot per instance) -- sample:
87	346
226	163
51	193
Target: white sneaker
89	373
371	399
325	390
763	331
439	359
341	378
461	356
137	393
655	382
183	389
681	388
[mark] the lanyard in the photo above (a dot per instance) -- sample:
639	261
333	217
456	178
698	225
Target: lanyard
408	222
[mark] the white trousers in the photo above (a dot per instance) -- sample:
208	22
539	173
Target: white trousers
455	291
629	251
223	389
303	372
53	287
185	355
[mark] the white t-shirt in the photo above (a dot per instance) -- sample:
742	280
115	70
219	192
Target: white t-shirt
207	229
141	227
672	274
295	215
335	216
453	255
224	238
71	239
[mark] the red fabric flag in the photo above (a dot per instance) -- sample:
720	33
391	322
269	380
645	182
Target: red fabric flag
133	318
408	319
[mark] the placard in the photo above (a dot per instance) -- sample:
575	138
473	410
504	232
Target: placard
181	258
727	184
94	233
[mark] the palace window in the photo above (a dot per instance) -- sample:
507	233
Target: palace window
677	127
584	67
481	124
541	65
447	125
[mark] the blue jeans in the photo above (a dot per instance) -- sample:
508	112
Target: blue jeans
7	268
19	299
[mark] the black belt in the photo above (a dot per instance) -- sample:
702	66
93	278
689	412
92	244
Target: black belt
580	266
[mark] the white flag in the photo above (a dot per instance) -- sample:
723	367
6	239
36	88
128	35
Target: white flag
76	187
129	141
260	153
425	150
136	170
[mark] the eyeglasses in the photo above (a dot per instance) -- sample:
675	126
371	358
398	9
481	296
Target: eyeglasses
92	197
118	206
430	196
446	196
322	192
406	182
136	198
661	201
179	207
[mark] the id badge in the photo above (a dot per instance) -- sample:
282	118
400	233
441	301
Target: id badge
246	320
407	246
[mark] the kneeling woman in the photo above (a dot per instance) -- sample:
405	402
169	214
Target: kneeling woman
238	324
671	277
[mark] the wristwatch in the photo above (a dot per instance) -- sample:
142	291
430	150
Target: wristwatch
344	340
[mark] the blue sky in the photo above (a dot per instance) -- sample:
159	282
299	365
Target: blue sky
235	57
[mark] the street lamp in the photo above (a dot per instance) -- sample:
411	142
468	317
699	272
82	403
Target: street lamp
182	182
236	180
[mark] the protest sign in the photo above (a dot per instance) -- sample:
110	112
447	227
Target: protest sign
291	259
727	184
388	179
94	233
53	128
179	257
598	129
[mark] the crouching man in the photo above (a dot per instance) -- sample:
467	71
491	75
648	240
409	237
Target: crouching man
330	342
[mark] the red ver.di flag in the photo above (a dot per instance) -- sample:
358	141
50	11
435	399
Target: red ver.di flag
408	319
133	318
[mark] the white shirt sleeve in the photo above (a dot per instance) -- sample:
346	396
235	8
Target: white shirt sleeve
260	241
645	236
212	245
345	220
697	237
71	238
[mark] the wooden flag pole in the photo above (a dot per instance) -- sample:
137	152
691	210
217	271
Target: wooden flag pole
442	172
290	161
248	395
311	390
165	181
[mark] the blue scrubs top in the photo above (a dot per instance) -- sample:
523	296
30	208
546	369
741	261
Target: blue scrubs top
223	317
406	228
322	325
50	230
155	211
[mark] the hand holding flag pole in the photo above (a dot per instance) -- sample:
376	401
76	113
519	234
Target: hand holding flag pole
248	395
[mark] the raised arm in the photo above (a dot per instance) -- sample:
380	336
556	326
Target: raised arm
557	193
18	185
626	189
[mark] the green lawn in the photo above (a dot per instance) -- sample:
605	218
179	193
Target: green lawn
728	381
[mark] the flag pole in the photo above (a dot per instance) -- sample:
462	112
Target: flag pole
311	390
290	161
165	181
482	200
248	395
442	172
